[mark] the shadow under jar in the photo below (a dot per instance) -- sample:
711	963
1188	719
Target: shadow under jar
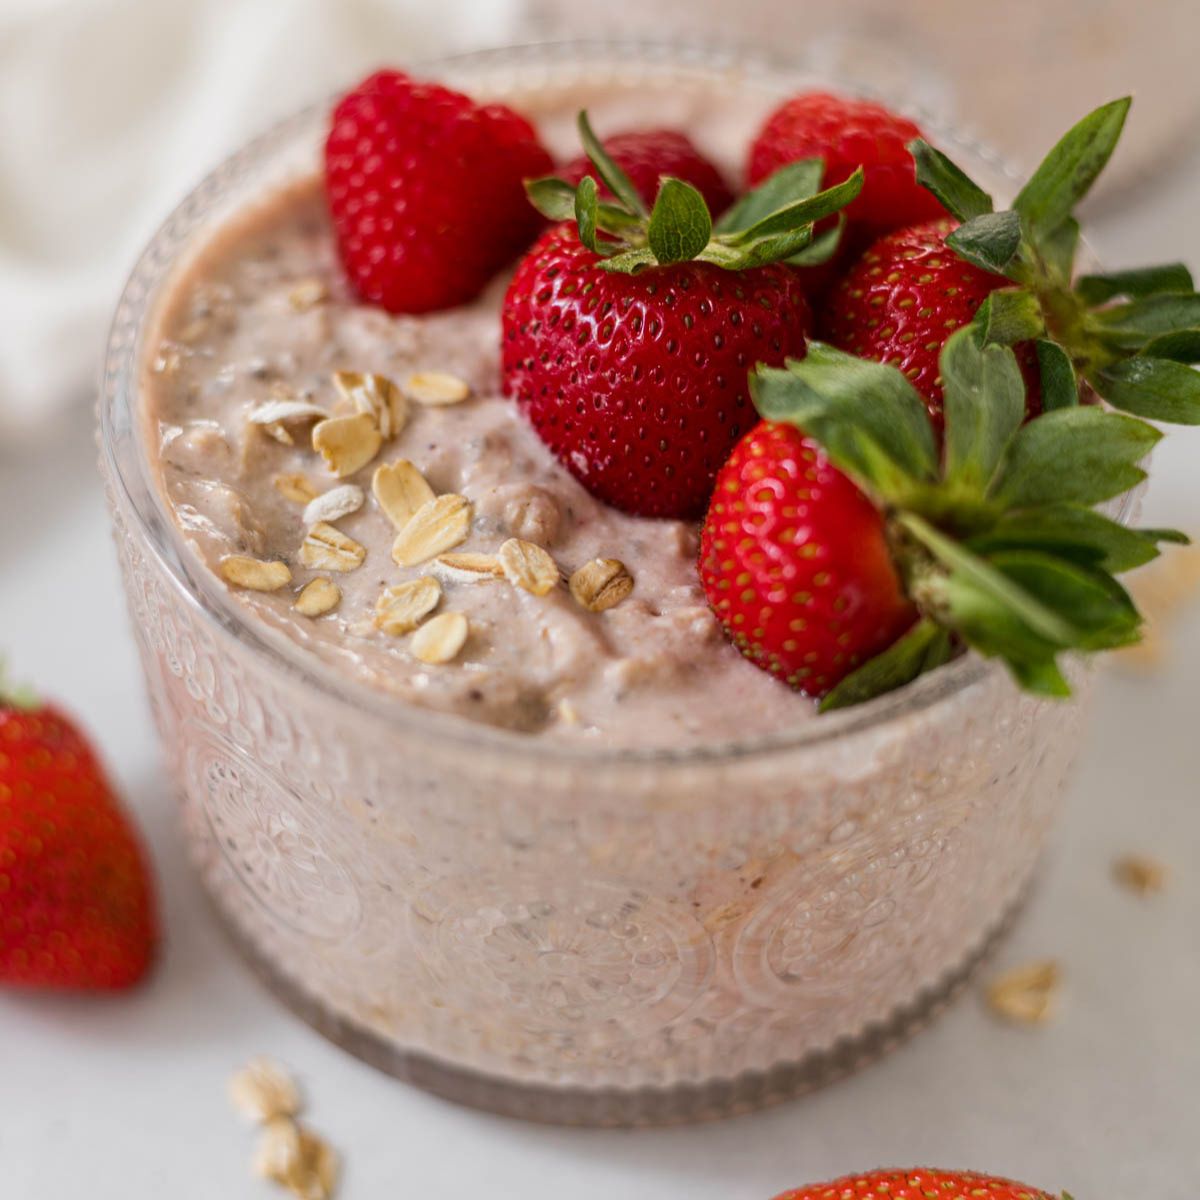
569	933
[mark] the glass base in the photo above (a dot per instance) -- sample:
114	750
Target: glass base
616	1108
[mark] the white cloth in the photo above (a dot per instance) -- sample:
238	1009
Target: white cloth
111	109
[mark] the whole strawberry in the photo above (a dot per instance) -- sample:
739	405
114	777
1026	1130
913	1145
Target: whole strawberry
919	1183
848	133
1130	334
904	297
646	156
627	335
76	902
426	192
846	552
796	563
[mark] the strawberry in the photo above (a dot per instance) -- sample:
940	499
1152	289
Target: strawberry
1130	334
627	336
649	154
847	133
796	563
920	1183
904	297
425	190
76	901
846	554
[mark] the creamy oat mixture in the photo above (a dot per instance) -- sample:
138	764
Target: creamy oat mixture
257	343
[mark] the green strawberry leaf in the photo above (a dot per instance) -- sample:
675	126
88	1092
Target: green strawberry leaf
1009	316
958	193
1069	170
792	182
629	262
614	178
984	406
925	646
553	198
1056	250
1041	677
822	247
1077	533
775	247
1089	600
799	212
1130	326
1142	281
989	241
1041	626
1060	387
1081	455
586	203
1155	388
828	391
1181	346
679	223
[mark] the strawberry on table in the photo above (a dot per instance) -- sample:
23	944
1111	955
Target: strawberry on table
628	333
1014	273
847	133
845	554
646	156
918	1183
76	901
426	191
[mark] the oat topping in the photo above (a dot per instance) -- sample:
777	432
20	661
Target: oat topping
437	526
327	548
528	567
1026	995
601	584
279	412
347	443
400	490
295	487
308	293
469	567
318	597
1140	873
254	574
263	1090
400	609
288	1153
376	396
334	504
436	389
441	638
297	1159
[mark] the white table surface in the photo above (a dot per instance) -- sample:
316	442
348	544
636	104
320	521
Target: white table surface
124	1098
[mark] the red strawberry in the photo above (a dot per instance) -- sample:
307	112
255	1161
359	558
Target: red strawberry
795	562
638	382
919	1183
848	133
627	336
426	191
76	902
647	155
904	297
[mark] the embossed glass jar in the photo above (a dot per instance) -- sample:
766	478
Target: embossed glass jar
569	933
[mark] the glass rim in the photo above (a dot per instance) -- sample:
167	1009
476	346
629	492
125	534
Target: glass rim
217	608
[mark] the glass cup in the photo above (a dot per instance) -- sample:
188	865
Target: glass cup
569	933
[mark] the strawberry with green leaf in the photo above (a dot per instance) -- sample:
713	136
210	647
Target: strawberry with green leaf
845	553
1129	334
628	330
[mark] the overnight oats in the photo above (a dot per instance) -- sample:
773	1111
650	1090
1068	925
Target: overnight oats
551	729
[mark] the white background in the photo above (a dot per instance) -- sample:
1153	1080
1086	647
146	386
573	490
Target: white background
124	1098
